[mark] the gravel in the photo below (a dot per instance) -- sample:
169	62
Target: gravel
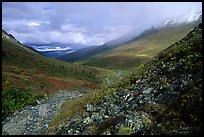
32	119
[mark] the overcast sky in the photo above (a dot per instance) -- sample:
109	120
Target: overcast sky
89	23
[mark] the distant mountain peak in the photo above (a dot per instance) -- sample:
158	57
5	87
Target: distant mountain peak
194	16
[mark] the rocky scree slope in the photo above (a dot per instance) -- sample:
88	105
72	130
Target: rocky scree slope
165	99
32	119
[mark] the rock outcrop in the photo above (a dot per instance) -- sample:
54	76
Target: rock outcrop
165	100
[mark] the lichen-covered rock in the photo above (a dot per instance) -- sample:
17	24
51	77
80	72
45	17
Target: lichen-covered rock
166	99
125	131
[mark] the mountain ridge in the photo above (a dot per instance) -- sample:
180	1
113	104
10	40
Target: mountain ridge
109	46
28	76
164	99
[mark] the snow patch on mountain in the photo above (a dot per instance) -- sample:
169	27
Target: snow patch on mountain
193	16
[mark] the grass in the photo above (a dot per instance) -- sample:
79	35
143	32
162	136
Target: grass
25	70
13	53
130	55
138	55
187	108
190	98
115	62
125	131
42	74
76	106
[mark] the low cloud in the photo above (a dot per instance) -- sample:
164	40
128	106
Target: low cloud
69	35
87	23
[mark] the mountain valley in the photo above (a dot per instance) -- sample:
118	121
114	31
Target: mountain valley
147	84
130	54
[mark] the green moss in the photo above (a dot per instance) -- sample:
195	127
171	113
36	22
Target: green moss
106	132
147	122
141	66
173	58
125	131
163	81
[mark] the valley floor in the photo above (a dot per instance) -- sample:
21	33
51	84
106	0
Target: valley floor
32	120
165	99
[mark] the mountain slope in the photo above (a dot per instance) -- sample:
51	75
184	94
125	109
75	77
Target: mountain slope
9	36
81	53
94	50
27	75
166	99
89	52
130	54
141	49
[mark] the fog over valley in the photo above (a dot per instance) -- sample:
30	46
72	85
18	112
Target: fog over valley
88	23
102	68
